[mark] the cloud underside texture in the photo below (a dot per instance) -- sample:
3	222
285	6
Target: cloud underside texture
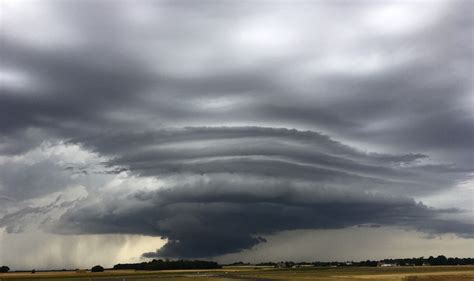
200	98
225	187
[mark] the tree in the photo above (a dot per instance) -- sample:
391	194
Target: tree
440	260
97	268
4	269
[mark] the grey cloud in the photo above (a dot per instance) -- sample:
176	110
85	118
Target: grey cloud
86	83
32	217
281	153
22	181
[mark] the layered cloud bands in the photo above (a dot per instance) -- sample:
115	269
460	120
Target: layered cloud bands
223	188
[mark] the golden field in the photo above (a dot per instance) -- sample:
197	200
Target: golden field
427	273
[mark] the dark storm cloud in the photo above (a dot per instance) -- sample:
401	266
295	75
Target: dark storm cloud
227	186
212	218
199	95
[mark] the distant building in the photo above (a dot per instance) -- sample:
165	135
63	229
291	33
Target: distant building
305	265
382	264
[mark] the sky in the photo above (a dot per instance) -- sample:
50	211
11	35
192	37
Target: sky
252	131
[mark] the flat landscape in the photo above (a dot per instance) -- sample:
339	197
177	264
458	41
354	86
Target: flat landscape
236	140
433	273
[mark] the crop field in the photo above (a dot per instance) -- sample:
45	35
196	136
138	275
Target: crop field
435	273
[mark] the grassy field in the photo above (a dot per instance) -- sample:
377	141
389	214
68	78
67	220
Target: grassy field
441	273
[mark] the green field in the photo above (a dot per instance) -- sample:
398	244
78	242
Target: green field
429	273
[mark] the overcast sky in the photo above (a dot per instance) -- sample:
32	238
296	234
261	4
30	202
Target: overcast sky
234	130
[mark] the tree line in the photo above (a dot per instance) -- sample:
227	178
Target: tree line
439	260
169	264
200	264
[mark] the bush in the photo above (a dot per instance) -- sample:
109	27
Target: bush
4	269
97	268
